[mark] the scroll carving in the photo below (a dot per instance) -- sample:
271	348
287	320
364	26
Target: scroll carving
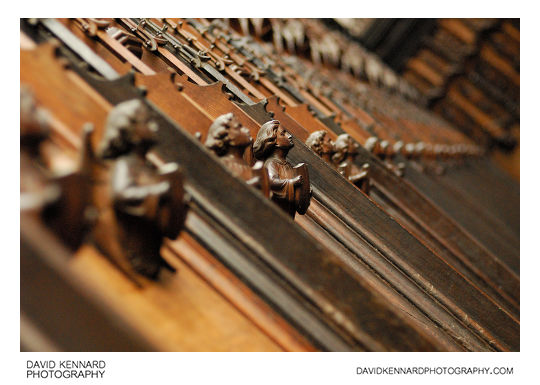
232	142
128	40
150	41
138	204
91	26
290	185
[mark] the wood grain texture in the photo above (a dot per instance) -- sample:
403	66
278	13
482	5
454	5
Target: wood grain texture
270	247
181	313
192	93
238	333
352	206
408	269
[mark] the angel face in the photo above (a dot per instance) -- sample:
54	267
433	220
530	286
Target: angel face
352	147
239	135
283	138
327	145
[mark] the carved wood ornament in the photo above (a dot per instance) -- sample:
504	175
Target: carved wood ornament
61	199
229	140
340	155
137	203
321	144
290	185
345	150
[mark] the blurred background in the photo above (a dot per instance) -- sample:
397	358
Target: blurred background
467	70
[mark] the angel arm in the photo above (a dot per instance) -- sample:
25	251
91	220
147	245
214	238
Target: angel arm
358	177
359	174
255	181
124	188
278	184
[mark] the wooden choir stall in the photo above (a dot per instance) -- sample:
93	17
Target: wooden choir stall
236	185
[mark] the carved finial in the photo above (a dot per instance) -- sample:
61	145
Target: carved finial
419	149
384	147
409	150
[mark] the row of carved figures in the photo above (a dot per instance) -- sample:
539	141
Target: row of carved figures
340	155
214	45
127	204
115	197
286	185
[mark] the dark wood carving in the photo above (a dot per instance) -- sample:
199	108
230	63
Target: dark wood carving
321	144
289	252
341	154
60	199
445	285
379	148
230	141
329	182
345	151
290	185
137	203
34	128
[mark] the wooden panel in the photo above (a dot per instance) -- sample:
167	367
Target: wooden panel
181	313
237	333
423	264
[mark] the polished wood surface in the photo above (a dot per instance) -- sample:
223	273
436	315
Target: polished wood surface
422	260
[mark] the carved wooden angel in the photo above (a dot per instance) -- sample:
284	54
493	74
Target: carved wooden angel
230	140
59	197
37	191
290	185
322	145
382	150
138	203
345	150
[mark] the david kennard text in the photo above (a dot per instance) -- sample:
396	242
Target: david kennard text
65	369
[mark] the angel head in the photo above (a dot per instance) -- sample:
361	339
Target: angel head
226	131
